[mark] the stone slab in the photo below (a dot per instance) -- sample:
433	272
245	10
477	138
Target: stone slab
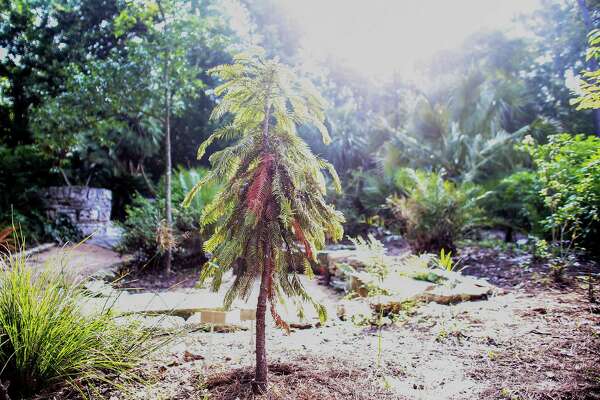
182	304
220	317
154	322
248	314
464	291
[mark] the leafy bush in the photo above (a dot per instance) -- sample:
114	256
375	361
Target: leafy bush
144	218
568	167
363	201
46	339
433	213
62	230
515	203
23	171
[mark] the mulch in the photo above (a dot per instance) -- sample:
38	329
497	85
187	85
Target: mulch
304	379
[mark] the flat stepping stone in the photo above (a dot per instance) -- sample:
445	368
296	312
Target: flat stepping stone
201	306
410	279
464	291
218	318
174	303
154	322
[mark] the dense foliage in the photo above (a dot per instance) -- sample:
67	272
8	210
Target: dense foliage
463	129
84	88
142	235
515	204
22	172
83	93
568	167
434	213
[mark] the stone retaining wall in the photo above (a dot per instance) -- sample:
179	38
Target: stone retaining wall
88	208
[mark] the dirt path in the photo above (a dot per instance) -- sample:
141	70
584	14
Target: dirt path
82	260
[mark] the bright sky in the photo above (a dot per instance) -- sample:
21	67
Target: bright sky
379	37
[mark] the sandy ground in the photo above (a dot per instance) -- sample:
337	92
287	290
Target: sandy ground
82	260
533	341
513	346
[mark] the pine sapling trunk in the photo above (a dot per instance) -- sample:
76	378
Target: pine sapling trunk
260	383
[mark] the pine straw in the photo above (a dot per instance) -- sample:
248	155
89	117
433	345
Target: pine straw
304	379
554	362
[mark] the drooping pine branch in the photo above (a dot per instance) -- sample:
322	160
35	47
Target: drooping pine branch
271	212
260	189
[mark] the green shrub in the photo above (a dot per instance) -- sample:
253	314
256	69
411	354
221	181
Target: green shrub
24	170
362	201
515	203
45	338
62	230
433	213
568	168
144	216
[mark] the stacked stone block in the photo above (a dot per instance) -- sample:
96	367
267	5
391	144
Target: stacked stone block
88	208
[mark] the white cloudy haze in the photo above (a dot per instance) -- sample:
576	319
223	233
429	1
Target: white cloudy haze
379	37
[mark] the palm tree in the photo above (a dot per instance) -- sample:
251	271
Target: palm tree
270	216
466	130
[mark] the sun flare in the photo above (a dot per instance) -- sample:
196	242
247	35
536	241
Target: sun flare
383	37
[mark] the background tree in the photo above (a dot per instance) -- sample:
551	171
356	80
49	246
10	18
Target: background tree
558	53
41	41
461	128
270	216
81	89
589	14
588	93
172	26
91	125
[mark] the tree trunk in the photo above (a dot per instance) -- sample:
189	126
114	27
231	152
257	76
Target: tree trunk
509	234
260	382
65	177
592	63
168	208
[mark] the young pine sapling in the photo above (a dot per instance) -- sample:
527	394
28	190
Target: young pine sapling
270	217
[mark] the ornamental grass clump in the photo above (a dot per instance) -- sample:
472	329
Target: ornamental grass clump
270	217
46	339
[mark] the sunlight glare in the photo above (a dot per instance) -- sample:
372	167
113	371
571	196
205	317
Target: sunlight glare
382	37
